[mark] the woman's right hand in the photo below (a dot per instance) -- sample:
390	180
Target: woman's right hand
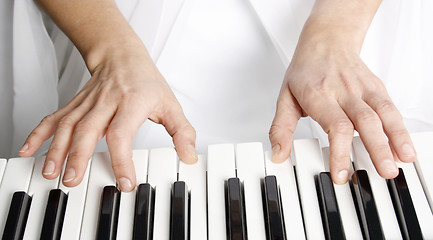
125	90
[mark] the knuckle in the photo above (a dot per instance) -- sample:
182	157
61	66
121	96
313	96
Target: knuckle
367	115
381	148
170	107
279	134
76	155
84	126
67	122
105	97
385	106
376	85
115	134
342	126
340	157
49	119
55	147
185	131
131	98
399	132
34	134
275	129
103	93
347	80
189	130
192	133
120	164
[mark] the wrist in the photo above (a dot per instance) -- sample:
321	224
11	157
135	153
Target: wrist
325	34
338	25
119	49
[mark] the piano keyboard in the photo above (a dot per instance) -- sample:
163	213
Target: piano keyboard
235	192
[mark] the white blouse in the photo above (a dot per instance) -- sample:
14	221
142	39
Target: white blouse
225	61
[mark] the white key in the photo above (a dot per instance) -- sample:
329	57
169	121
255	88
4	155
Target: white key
2	168
362	160
309	163
162	174
347	209
39	190
420	203
16	178
285	175
250	167
424	163
101	175
125	223
220	167
75	207
194	175
141	162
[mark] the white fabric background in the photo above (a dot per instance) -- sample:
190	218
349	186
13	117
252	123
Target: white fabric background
224	60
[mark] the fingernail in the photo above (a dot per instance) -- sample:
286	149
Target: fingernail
125	184
390	167
407	150
192	152
69	175
342	177
49	168
24	148
275	151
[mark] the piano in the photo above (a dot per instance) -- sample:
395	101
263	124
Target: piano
234	192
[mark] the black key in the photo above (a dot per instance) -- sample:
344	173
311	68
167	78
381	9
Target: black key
109	212
235	212
273	212
54	214
331	218
144	209
404	208
17	217
179	212
371	227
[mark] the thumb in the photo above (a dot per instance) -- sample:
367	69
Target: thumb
284	125
183	134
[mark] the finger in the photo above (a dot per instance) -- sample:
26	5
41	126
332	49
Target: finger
394	127
89	130
284	124
120	135
370	129
339	128
39	135
182	132
47	126
60	145
394	154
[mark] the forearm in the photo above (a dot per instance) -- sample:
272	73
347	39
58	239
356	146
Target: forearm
340	24
97	28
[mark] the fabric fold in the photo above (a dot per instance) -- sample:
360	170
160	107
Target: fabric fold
6	77
34	71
